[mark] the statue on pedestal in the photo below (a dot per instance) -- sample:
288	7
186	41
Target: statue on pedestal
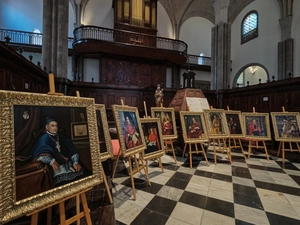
159	96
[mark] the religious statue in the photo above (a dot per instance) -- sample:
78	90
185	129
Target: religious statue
159	96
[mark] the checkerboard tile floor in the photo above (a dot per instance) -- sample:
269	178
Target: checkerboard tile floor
251	191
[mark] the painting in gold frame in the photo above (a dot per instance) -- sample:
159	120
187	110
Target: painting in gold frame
235	123
256	125
193	126
130	132
167	121
153	138
286	126
21	117
106	151
216	123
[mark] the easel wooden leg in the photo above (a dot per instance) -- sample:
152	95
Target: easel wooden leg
185	144
160	165
265	147
115	165
191	157
249	148
107	187
242	149
279	148
203	150
132	178
170	142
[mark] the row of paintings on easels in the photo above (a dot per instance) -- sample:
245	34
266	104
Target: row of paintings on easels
219	123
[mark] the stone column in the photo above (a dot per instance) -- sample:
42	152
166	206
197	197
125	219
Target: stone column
55	37
221	47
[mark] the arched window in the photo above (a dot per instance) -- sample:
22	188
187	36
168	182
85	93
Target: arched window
249	27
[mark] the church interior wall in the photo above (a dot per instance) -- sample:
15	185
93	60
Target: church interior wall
262	49
296	36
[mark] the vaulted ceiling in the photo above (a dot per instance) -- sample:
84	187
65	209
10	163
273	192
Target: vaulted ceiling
181	10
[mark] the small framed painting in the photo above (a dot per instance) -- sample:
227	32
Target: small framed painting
235	123
153	138
167	121
193	126
216	123
257	125
130	132
286	126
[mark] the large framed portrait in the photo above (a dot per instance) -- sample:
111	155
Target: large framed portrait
167	120
257	125
216	123
153	138
130	132
40	163
235	123
286	126
106	151
193	126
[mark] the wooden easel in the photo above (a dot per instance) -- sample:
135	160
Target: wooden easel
236	143
290	145
102	171
63	220
154	157
133	159
169	142
136	161
221	147
254	143
52	86
197	151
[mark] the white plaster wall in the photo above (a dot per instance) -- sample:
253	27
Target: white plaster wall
196	32
296	36
91	70
99	13
14	14
263	49
164	26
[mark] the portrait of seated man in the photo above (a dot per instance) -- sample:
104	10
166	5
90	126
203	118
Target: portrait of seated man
59	152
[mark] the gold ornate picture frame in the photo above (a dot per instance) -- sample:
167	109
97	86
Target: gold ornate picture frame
153	138
130	132
257	125
106	151
286	126
193	127
235	123
167	121
21	119
216	123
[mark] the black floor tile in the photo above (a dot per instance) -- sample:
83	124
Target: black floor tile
170	166
265	185
203	173
222	177
180	184
275	219
296	179
153	189
182	176
247	200
245	190
289	190
220	207
270	169
150	217
241	172
193	199
161	205
240	222
195	162
287	165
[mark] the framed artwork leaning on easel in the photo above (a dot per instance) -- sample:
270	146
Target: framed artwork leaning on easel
40	163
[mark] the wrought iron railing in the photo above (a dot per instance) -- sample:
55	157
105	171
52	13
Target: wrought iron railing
24	37
109	35
126	37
